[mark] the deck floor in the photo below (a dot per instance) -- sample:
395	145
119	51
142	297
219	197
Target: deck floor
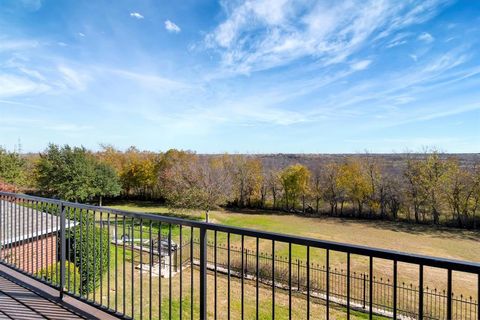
18	302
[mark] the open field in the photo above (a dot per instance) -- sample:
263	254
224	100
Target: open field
440	242
160	296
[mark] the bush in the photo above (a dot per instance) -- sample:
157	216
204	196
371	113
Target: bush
52	274
88	249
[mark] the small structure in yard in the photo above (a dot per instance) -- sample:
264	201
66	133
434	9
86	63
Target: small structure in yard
162	251
29	236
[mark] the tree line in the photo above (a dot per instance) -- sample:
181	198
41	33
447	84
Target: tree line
432	188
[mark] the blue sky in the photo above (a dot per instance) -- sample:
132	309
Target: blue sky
241	76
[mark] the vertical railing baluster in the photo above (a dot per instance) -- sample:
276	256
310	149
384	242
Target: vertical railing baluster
101	257
228	276
94	256
289	280
124	261
308	282
215	274
273	279
348	285
191	273
370	311
395	280
257	275
203	273
150	267
243	280
141	269
62	250
160	269
170	271
181	273
75	252
478	296
133	268
420	292
449	294
109	255
328	284
116	263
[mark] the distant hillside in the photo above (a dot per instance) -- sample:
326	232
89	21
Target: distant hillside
392	162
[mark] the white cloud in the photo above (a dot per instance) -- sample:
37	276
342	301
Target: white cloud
254	36
81	34
15	45
398	40
136	15
414	57
74	79
11	86
426	37
172	27
360	65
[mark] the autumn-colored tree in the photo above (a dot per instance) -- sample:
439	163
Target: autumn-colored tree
332	192
295	182
247	179
274	185
317	189
355	181
433	175
461	190
415	193
139	172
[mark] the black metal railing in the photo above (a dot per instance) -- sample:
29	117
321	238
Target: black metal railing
137	265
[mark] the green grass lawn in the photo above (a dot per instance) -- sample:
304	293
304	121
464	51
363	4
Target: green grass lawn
440	242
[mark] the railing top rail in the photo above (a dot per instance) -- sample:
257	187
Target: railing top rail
456	265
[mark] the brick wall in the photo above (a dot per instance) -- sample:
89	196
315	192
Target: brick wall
32	256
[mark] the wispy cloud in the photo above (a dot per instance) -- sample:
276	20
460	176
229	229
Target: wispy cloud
17	44
74	79
136	15
12	86
172	27
360	65
426	37
256	37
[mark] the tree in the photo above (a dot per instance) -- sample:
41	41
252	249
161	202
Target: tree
332	192
295	180
73	174
353	179
317	188
66	172
12	168
415	193
273	184
106	182
247	179
461	190
433	174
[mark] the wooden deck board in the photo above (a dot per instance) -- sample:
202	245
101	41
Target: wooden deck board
18	302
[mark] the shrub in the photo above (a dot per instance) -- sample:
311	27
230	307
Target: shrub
52	274
88	248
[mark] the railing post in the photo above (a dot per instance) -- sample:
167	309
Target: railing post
63	251
203	273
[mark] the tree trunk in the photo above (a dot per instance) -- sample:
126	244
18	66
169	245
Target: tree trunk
100	201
